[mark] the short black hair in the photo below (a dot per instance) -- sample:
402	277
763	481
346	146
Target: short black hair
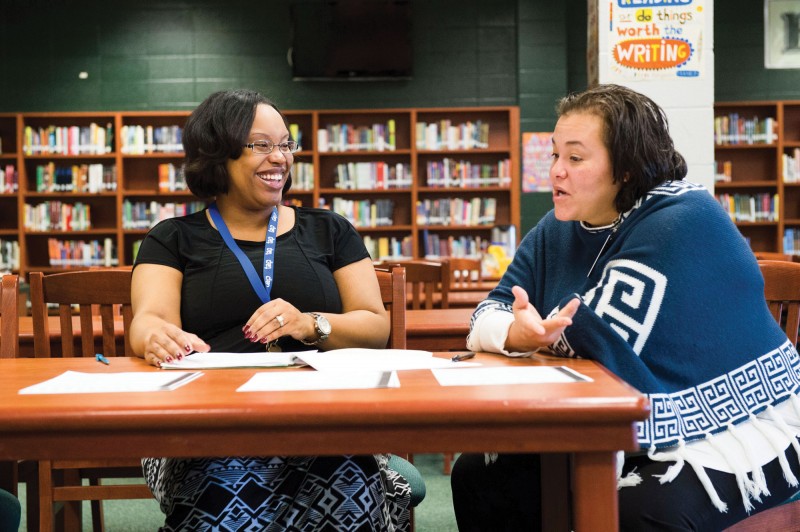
636	134
215	133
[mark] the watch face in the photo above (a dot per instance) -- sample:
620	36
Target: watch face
324	325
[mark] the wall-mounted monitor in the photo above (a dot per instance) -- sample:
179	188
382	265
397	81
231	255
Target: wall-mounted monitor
351	40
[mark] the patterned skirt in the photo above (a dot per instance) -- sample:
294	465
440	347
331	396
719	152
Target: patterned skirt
297	493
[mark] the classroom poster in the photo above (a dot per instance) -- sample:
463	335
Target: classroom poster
536	151
655	39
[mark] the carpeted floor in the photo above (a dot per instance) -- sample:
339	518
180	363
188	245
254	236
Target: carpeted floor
435	514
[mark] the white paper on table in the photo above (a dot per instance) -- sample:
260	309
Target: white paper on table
139	381
279	381
377	360
214	360
508	375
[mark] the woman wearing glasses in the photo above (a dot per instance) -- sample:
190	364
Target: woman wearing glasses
249	274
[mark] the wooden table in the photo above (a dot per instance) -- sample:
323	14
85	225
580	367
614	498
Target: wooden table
438	329
206	417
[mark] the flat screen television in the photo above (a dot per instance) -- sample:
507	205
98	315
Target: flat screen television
352	40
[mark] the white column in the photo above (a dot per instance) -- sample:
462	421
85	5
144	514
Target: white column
645	31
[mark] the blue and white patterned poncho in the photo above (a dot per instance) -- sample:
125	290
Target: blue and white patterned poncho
675	306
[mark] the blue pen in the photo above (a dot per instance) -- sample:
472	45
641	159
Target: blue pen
100	358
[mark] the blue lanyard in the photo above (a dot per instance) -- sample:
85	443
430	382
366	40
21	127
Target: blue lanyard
262	289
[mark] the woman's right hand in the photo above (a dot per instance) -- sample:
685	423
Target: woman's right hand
529	331
167	343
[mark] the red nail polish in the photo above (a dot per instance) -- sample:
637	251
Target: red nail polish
254	339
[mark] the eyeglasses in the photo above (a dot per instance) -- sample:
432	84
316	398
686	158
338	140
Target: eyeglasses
266	146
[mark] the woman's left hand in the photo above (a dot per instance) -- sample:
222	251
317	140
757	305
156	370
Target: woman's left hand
530	331
278	318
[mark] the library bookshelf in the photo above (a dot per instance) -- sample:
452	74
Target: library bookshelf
757	151
415	182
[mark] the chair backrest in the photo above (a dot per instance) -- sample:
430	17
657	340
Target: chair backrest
464	273
9	316
393	293
782	292
771	255
428	282
101	293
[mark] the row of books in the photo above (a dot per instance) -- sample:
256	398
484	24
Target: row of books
444	135
135	248
791	167
92	178
348	137
389	248
57	216
137	139
365	213
9	255
761	207
505	236
296	133
791	241
451	173
68	140
723	171
302	176
436	246
82	253
372	176
171	178
145	214
9	179
735	129
456	211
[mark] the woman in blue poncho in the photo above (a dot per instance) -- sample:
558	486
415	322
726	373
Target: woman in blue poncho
645	273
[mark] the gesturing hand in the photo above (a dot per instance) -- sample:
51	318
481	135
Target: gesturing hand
529	331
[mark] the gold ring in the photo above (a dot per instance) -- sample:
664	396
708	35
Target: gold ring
280	320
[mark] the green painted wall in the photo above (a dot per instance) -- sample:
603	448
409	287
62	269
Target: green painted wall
739	56
163	55
171	54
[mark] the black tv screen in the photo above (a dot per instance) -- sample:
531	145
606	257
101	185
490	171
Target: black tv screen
351	39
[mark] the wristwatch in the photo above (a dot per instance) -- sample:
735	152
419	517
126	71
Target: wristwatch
322	327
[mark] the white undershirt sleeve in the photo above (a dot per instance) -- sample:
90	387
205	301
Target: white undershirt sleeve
490	331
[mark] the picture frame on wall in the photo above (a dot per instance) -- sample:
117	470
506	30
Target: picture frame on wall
782	33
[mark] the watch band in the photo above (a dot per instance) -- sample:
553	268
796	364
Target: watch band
321	335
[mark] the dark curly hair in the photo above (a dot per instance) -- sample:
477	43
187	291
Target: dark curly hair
636	135
215	133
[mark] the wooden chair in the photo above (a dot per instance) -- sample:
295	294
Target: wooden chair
465	273
9	348
428	283
109	293
393	291
782	291
9	316
771	255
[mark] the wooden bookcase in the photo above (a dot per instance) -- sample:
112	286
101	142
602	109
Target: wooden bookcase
136	177
757	166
